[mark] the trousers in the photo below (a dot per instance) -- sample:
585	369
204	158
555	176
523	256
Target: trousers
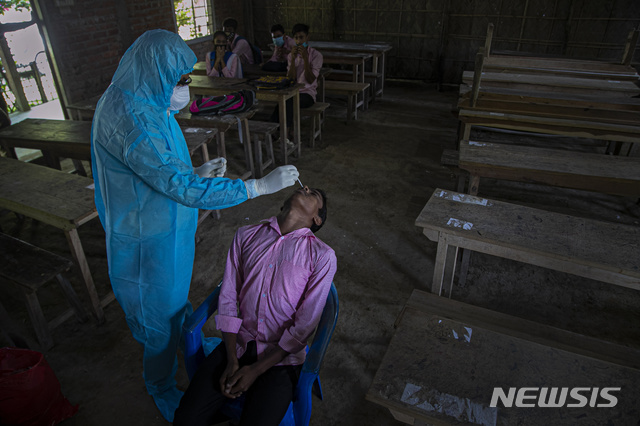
306	100
266	401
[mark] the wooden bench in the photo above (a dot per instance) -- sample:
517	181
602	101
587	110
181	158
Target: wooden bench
446	358
369	77
316	112
351	91
30	268
262	133
569	169
602	251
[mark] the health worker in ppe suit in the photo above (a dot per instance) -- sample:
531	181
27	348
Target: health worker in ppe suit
148	195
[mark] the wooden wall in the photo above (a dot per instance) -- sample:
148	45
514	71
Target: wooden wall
435	40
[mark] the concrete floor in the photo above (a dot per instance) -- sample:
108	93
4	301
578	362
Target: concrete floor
378	173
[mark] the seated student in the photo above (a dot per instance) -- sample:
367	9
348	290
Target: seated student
237	44
304	65
282	47
221	62
275	285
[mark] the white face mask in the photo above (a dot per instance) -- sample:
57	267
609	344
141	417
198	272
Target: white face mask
180	98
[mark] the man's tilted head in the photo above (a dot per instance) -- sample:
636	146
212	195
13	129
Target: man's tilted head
308	205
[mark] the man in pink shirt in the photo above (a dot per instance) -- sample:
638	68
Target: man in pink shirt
221	62
304	65
275	285
237	44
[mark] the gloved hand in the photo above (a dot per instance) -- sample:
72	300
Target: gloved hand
212	168
278	179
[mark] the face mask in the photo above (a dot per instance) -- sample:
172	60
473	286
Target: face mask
305	44
230	35
278	41
180	98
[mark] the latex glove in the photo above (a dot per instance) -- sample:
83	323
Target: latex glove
212	168
278	179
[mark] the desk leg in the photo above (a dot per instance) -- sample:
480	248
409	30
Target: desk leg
374	69
248	152
282	110
382	72
296	123
222	150
78	255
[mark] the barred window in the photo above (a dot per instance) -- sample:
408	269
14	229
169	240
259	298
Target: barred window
194	18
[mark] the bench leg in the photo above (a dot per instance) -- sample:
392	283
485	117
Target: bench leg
37	318
269	141
350	108
205	152
78	255
474	183
72	298
77	164
464	267
441	269
258	155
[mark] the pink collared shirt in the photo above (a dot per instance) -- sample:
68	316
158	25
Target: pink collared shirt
289	43
315	60
232	68
242	48
274	288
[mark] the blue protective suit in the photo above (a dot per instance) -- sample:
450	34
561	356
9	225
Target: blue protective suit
147	197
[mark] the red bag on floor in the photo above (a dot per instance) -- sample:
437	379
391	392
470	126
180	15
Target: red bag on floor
29	390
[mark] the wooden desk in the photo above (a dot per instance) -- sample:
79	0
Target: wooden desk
59	199
602	251
446	357
591	172
55	138
215	86
566	67
378	49
592	107
533	83
72	139
254	71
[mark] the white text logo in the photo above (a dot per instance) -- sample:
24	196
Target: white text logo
555	397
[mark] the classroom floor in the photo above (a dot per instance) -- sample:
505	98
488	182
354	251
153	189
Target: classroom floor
378	173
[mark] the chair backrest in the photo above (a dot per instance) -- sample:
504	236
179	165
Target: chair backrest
192	327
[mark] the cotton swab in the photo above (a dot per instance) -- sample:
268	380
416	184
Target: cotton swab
300	183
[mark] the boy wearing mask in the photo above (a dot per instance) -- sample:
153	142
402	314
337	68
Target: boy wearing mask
282	48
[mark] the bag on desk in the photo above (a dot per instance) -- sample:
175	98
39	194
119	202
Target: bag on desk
271	82
29	390
232	103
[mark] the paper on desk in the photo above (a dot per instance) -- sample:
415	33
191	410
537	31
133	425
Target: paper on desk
463	198
457	223
462	409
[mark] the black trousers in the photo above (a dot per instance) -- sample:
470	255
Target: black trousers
306	100
266	401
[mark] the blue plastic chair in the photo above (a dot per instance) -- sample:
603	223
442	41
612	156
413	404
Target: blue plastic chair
299	411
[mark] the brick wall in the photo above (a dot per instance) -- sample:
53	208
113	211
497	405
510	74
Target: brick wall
88	38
